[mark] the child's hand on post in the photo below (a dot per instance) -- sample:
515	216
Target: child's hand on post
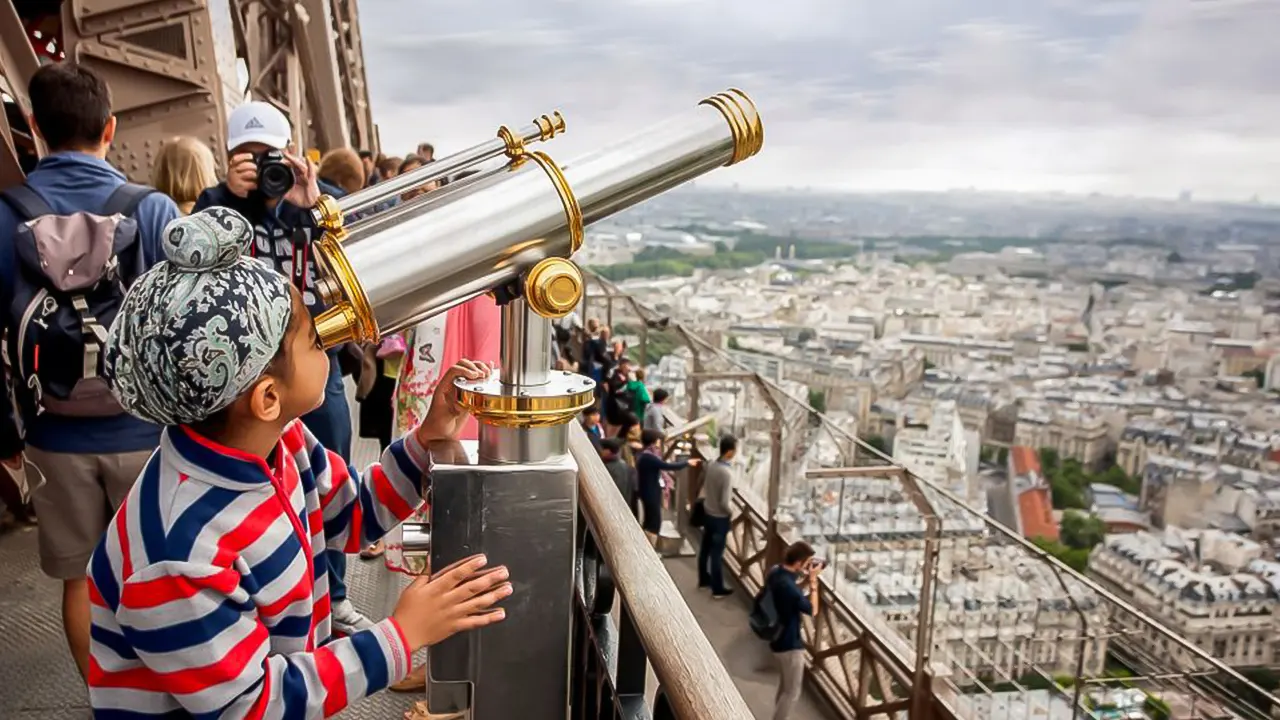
455	600
445	419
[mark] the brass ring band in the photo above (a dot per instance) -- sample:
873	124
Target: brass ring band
515	143
572	210
525	412
351	318
748	109
328	213
744	122
550	125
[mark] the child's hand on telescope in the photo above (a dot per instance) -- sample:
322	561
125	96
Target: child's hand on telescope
459	598
445	419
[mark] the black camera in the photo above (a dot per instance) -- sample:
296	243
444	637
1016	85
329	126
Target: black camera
275	174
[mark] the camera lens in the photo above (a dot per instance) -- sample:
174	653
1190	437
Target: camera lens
275	176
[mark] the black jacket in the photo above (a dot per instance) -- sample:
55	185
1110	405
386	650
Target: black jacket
278	233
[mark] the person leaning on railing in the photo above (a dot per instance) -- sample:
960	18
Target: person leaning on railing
649	469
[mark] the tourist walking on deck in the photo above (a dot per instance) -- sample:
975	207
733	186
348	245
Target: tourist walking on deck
717	500
84	444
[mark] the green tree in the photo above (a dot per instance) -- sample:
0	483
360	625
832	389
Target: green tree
1066	495
877	442
732	343
1074	558
1115	475
1002	457
1081	531
818	400
1048	460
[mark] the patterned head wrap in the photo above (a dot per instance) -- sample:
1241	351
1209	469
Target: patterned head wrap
198	330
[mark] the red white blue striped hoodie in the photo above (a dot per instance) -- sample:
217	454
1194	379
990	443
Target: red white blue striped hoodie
209	592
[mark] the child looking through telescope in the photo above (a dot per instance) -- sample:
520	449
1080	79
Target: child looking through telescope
209	589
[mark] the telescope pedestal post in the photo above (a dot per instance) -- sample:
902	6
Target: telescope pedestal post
518	506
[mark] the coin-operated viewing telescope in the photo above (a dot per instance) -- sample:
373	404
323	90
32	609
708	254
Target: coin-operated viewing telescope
509	231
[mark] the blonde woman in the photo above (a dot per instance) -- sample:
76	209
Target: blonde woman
184	168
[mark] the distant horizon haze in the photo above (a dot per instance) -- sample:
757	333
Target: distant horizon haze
1124	97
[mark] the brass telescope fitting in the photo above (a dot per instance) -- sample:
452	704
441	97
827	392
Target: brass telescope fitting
572	210
555	403
744	122
548	127
553	288
329	213
349	317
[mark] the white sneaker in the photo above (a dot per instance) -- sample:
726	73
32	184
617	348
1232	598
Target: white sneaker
347	620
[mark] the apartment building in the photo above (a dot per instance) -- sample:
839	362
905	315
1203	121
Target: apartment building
1072	433
1213	588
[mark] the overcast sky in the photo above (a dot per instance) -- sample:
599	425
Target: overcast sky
1144	97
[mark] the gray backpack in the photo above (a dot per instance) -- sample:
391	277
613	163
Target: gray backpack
71	275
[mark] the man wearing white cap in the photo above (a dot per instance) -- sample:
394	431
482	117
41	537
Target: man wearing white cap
268	183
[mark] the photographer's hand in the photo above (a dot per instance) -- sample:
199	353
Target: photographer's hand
242	175
305	192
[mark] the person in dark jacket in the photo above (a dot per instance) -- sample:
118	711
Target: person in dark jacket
794	585
624	476
283	232
649	469
591	424
617	396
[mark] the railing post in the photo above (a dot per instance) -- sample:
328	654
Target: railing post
518	506
644	342
774	545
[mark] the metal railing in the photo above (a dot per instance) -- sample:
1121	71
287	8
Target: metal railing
931	607
630	616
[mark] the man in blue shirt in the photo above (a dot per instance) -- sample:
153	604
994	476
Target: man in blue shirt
283	231
89	463
794	585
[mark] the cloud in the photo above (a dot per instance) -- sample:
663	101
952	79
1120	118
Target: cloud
1121	96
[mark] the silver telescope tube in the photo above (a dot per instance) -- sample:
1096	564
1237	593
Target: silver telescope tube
443	251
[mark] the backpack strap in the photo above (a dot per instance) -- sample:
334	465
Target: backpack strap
126	198
95	336
27	202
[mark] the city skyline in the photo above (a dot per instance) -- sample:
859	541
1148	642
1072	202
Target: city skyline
1120	97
